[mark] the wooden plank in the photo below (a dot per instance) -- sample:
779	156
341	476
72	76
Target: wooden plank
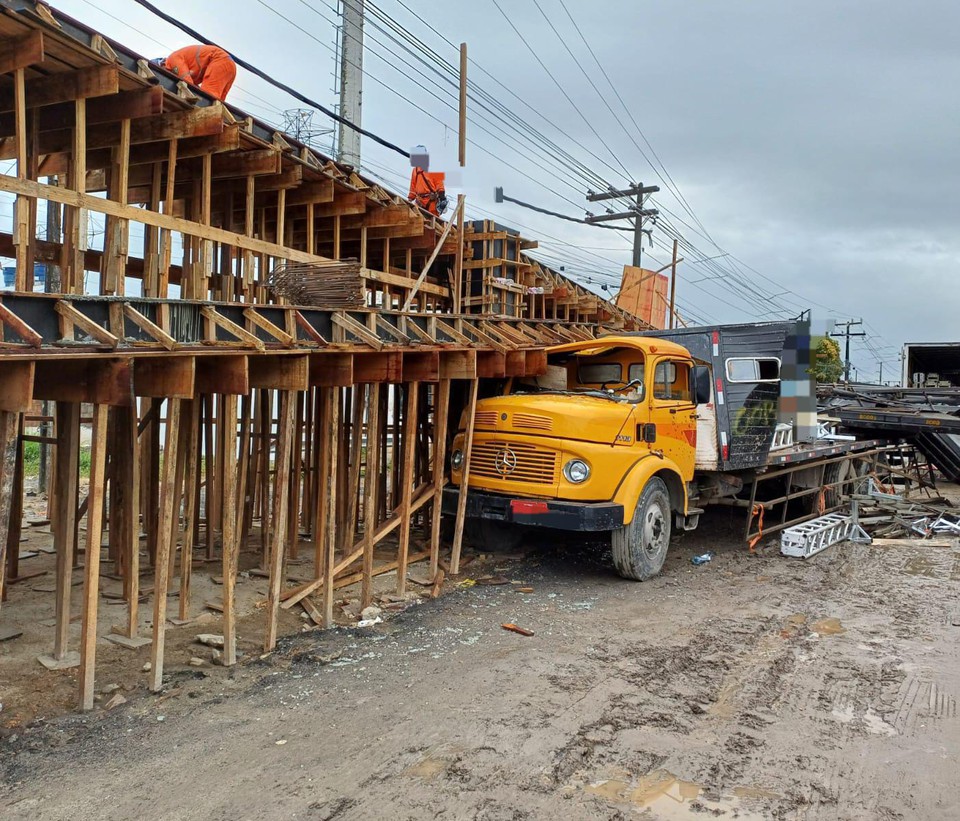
168	377
491	364
458	364
222	374
289	373
311	193
378	367
242	334
536	362
432	258
18	326
356	329
329	482
410	423
73	317
21	52
371	487
150	327
280	512
67	86
464	480
421	366
164	547
441	414
91	572
331	370
265	325
344	203
99	381
16	385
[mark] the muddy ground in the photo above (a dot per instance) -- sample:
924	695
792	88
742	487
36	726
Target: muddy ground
751	687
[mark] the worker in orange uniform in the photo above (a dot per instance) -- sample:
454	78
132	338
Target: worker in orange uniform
209	67
427	190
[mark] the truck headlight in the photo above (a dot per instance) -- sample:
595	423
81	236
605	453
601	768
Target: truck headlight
576	471
456	459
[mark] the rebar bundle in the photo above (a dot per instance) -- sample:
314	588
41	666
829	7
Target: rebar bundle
337	284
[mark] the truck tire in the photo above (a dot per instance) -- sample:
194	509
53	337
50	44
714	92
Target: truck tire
494	537
843	472
640	548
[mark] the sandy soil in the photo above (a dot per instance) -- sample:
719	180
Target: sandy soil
751	687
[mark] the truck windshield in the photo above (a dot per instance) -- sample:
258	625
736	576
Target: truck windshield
602	377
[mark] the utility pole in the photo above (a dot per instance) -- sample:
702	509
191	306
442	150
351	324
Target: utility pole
351	80
638	213
847	333
673	287
880	380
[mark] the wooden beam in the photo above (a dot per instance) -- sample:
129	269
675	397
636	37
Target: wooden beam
222	374
65	518
95	81
21	52
311	193
281	372
464	479
172	377
71	316
458	364
76	199
145	324
97	381
356	329
265	325
16	385
333	370
410	423
421	366
371	487
231	327
231	546
378	367
441	413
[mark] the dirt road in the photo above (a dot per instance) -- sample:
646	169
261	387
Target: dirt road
751	687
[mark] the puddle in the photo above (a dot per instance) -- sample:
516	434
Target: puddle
797	618
876	725
667	796
828	627
427	768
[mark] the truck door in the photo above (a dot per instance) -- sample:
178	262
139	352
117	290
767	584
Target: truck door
674	413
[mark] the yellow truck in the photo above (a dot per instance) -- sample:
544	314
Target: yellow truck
632	435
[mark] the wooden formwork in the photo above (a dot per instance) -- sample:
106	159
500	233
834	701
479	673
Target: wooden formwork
224	419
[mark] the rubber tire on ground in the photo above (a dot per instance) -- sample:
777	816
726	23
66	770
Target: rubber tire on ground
640	548
494	537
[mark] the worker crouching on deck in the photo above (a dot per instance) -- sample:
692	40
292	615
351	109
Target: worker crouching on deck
209	67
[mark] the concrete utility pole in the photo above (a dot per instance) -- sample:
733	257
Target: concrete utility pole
351	80
638	214
847	333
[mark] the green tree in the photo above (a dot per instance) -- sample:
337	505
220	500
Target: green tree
826	365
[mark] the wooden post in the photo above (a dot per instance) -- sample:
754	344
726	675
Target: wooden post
371	484
126	518
281	488
9	426
164	528
190	436
410	413
65	518
230	544
464	481
91	574
329	479
441	413
22	230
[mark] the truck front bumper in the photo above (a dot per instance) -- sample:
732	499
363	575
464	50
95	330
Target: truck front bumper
561	515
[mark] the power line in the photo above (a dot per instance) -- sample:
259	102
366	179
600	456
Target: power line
276	83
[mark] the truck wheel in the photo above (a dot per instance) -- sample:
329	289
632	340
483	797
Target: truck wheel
640	548
494	537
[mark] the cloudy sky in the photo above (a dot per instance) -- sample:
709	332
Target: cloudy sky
809	148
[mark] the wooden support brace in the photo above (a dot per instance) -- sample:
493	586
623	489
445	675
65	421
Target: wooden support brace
150	327
73	317
361	332
230	327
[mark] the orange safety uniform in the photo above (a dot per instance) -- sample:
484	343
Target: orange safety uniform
209	67
427	190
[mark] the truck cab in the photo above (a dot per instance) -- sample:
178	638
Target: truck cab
605	441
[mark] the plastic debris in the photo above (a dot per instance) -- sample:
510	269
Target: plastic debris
703	558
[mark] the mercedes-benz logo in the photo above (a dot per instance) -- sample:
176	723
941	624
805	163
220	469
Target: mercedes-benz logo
505	462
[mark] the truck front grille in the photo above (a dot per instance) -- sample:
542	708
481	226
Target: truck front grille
514	462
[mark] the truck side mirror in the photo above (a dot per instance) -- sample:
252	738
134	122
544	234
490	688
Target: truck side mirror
700	384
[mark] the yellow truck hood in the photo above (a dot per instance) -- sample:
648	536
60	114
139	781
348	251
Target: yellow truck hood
559	416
